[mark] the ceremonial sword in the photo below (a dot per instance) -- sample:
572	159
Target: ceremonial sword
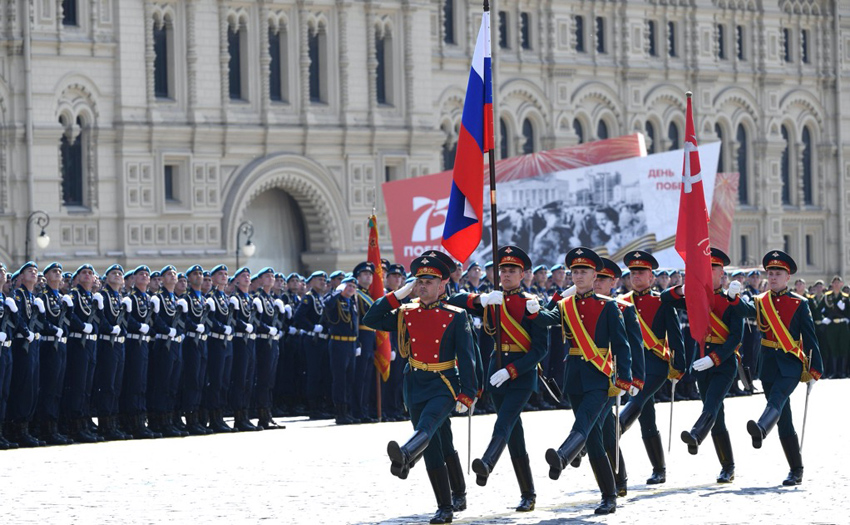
469	438
809	386
672	400
617	423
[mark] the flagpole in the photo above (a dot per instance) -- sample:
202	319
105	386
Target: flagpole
494	233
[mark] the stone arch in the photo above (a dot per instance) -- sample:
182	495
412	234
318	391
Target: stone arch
237	17
601	98
163	14
278	21
309	184
803	101
76	96
742	101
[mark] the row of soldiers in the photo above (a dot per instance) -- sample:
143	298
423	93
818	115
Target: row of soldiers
631	343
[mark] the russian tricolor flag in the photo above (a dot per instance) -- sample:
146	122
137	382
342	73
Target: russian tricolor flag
462	231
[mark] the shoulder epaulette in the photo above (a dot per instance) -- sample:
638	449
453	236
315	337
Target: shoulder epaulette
452	308
409	306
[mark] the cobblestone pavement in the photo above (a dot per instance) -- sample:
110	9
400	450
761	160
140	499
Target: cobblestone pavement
314	472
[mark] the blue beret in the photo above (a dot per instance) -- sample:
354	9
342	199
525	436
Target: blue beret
195	268
338	273
155	274
558	266
28	264
351	280
293	275
66	275
472	265
409	280
52	266
278	275
242	270
207	274
317	274
267	269
181	275
753	272
539	267
113	268
626	273
488	264
81	268
130	273
168	268
219	268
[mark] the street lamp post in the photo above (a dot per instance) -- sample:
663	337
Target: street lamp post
246	229
41	219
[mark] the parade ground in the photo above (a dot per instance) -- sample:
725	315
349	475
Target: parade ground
316	472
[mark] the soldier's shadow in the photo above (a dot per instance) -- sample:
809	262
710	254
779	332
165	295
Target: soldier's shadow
703	491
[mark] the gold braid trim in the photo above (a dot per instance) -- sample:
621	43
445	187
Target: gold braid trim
489	328
403	336
446	381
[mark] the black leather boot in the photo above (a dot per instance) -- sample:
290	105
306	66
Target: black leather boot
242	423
217	423
628	416
138	428
605	479
697	435
177	421
484	466
457	481
52	435
6	444
522	469
655	451
23	437
442	490
759	431
165	427
559	459
192	425
80	432
403	457
576	462
795	460
342	417
620	477
723	446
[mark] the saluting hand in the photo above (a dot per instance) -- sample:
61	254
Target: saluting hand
404	291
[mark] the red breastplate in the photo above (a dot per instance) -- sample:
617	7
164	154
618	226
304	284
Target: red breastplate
426	328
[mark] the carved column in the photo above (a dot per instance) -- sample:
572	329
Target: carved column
224	58
192	57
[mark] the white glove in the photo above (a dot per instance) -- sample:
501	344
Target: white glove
172	333
404	291
183	304
249	328
621	392
116	330
392	355
128	304
460	408
532	306
733	290
827	320
39	303
87	328
499	377
358	352
258	304
68	300
569	291
144	328
841	305
210	303
155	304
495	297
3	337
318	328
288	310
633	390
292	330
476	322
683	290
228	330
340	288
703	363
280	306
11	305
98	299
199	329
234	302
273	331
30	336
59	333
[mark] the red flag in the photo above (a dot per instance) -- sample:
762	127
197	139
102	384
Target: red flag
692	241
383	351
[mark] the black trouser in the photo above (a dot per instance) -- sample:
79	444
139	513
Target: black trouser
51	380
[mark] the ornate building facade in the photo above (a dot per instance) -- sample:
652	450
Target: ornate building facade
150	130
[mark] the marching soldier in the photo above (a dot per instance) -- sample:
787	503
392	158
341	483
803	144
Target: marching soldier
790	352
836	315
194	351
558	348
363	382
436	340
664	358
341	317
308	318
716	365
244	352
8	325
53	358
267	349
595	326
219	350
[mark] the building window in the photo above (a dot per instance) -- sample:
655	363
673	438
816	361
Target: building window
449	148
578	129
170	183
383	53
650	134
163	48
807	167
786	44
317	46
69	13
579	21
71	152
449	22
744	252
278	65
528	135
525	30
601	130
786	243
503	30
651	31
785	167
739	41
671	39
236	47
721	162
804	46
743	165
673	136
810	259
600	34
503	139
721	42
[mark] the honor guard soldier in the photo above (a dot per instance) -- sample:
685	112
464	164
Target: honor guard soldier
267	349
109	371
133	402
23	393
8	326
308	318
558	348
53	357
363	382
194	351
664	358
598	367
437	341
603	286
790	355
715	365
244	352
219	350
164	369
342	320
82	348
836	314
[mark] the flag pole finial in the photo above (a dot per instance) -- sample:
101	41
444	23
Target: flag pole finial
486	5
688	94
